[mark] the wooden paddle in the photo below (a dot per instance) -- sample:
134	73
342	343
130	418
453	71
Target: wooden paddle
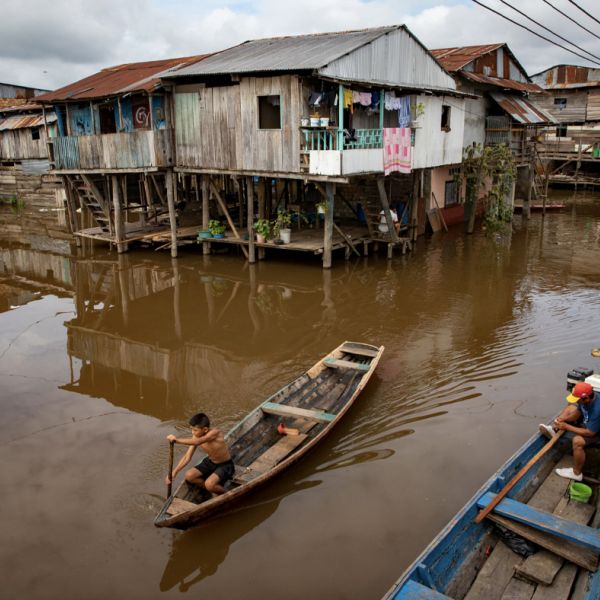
483	513
170	485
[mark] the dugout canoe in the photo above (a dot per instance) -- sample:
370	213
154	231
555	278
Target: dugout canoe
471	561
313	404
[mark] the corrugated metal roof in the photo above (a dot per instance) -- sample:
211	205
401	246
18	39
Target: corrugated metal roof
560	77
132	77
522	110
24	121
454	59
289	53
503	83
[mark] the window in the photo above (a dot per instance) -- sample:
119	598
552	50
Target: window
35	134
560	103
451	193
445	117
269	112
561	131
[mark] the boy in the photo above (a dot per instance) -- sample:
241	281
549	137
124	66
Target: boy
217	468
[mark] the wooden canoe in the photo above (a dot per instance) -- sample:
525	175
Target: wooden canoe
469	560
313	404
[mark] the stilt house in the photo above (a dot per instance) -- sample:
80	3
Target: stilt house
114	151
507	109
352	121
573	98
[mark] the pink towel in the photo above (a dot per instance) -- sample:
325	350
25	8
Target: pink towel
396	150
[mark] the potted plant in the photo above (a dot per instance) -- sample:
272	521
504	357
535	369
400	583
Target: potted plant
418	111
263	230
216	228
281	226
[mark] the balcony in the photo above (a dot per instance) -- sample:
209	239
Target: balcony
135	150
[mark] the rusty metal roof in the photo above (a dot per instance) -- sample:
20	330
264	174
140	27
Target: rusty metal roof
503	83
24	121
454	59
522	110
561	77
131	77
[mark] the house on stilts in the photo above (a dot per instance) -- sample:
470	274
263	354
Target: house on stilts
572	148
114	153
507	109
354	123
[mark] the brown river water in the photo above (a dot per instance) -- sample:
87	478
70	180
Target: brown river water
102	356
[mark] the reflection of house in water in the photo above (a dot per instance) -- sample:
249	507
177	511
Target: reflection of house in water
150	337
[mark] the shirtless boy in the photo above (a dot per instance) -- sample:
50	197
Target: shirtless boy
217	468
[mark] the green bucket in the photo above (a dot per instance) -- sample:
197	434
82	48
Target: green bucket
580	492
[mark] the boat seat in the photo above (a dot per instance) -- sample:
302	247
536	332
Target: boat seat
270	458
336	363
412	590
179	506
283	410
544	521
359	350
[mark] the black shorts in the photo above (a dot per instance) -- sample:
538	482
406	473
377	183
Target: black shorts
224	470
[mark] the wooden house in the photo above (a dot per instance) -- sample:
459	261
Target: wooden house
572	148
114	152
355	119
507	108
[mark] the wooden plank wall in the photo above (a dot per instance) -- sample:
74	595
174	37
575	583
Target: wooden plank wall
17	144
137	149
575	109
593	105
218	127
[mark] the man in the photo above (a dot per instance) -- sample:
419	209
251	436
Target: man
383	221
217	468
581	420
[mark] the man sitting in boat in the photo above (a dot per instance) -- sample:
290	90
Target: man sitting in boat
217	468
581	420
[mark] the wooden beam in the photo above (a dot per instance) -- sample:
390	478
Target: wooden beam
273	408
118	215
158	191
336	363
205	210
347	240
171	191
328	228
250	220
386	210
543	521
226	213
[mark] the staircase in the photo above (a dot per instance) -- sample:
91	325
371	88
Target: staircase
539	177
93	202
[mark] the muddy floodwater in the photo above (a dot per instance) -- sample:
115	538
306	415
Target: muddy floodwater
102	356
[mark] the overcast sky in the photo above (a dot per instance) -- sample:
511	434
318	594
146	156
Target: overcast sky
49	44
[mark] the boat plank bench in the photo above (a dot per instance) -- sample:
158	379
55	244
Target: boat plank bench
358	350
275	454
336	363
544	521
283	410
415	591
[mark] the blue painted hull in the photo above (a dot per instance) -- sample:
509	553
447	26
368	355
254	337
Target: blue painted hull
458	551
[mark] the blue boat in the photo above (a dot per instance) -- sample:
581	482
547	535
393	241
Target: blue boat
454	563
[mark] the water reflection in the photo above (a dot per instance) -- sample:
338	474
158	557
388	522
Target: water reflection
198	553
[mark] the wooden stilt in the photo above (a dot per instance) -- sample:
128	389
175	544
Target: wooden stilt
386	210
260	193
118	215
223	207
414	210
328	228
205	211
171	191
250	219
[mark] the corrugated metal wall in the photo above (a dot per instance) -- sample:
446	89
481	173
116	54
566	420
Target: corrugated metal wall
395	58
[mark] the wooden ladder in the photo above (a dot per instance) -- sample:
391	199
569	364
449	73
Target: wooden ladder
86	198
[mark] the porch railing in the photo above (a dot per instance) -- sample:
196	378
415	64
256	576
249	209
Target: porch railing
319	139
134	150
360	139
329	139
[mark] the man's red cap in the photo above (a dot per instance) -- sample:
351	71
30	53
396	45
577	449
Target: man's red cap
581	391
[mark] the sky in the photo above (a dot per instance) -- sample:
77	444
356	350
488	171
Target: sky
50	44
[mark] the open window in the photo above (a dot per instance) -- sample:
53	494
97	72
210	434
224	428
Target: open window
560	103
35	133
451	193
269	112
445	117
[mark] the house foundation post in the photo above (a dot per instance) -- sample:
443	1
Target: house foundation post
250	220
118	215
205	211
328	227
171	192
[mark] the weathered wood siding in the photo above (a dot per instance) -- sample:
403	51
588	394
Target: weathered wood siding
217	128
574	112
593	105
17	144
135	150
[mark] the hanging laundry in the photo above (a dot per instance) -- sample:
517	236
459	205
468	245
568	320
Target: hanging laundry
374	99
404	116
315	99
348	100
364	98
391	102
396	150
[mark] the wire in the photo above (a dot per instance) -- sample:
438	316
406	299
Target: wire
535	33
549	30
584	11
570	18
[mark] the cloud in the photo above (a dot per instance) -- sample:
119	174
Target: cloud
51	44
